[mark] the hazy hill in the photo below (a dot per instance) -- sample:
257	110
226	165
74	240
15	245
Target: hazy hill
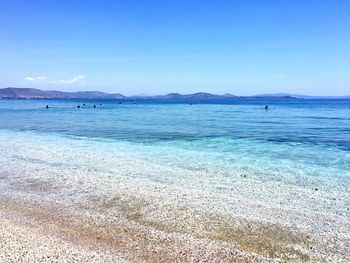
178	96
26	93
299	96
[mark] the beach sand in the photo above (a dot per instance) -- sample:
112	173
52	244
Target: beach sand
36	233
25	243
54	232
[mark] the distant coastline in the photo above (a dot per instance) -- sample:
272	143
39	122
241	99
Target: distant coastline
29	93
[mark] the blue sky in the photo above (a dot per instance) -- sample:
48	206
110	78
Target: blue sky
157	47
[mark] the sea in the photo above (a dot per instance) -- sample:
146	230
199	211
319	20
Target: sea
312	133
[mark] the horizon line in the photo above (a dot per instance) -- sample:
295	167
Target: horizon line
276	94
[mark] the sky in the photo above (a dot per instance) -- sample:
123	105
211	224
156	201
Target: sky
157	47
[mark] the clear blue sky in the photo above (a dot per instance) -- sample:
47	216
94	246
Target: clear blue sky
157	47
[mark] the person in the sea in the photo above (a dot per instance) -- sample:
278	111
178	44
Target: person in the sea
47	106
94	106
78	106
266	107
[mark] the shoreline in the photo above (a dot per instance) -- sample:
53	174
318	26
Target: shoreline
136	210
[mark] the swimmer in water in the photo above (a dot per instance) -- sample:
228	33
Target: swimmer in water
266	108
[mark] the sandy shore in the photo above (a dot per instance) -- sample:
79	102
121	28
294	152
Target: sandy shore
47	234
23	243
120	232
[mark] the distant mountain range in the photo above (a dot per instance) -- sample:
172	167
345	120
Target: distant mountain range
298	96
178	96
28	93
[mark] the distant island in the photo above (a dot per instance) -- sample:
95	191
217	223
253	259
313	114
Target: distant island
29	93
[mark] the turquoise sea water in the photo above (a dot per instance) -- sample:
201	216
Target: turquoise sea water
299	139
309	136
